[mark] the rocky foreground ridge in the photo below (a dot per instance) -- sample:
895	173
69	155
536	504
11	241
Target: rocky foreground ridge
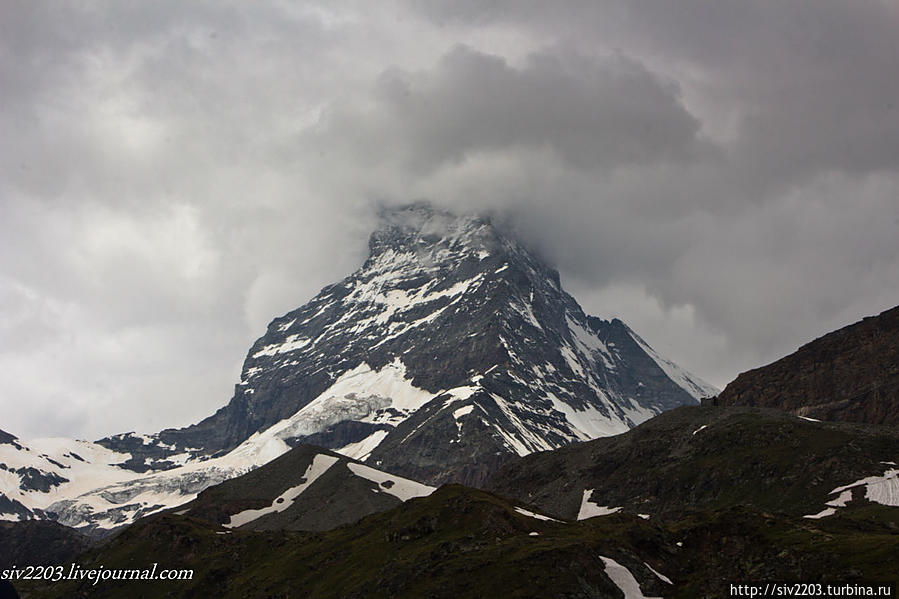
851	374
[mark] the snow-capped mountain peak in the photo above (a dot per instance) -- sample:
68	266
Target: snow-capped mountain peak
373	364
452	349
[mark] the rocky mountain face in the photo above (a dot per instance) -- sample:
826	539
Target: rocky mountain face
851	374
452	349
708	458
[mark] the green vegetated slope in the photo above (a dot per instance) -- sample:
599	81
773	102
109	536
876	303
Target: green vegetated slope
457	542
461	542
708	496
38	541
707	458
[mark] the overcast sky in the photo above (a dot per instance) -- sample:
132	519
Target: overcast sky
723	175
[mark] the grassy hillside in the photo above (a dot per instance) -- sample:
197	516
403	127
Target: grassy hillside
462	542
706	458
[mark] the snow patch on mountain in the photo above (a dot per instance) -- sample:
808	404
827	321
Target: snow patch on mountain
535	515
135	496
463	411
360	450
39	472
822	514
659	575
689	383
623	579
464	392
320	464
879	489
360	394
589	509
292	343
517	436
589	344
841	501
401	488
588	423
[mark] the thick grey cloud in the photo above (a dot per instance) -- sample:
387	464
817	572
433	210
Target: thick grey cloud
799	86
594	114
722	175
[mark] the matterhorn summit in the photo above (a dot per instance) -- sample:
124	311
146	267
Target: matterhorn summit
452	350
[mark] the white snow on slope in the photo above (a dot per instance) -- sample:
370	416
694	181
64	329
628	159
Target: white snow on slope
292	343
463	411
140	495
589	423
401	488
879	489
534	515
86	465
362	449
320	464
522	439
526	312
822	514
589	344
700	428
689	383
357	394
658	574
457	415
589	509
397	301
572	360
463	392
841	501
623	579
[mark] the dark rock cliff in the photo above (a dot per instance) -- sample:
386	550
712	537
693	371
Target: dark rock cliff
851	374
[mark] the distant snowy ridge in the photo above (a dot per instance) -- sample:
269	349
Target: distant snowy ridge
101	494
135	496
35	474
